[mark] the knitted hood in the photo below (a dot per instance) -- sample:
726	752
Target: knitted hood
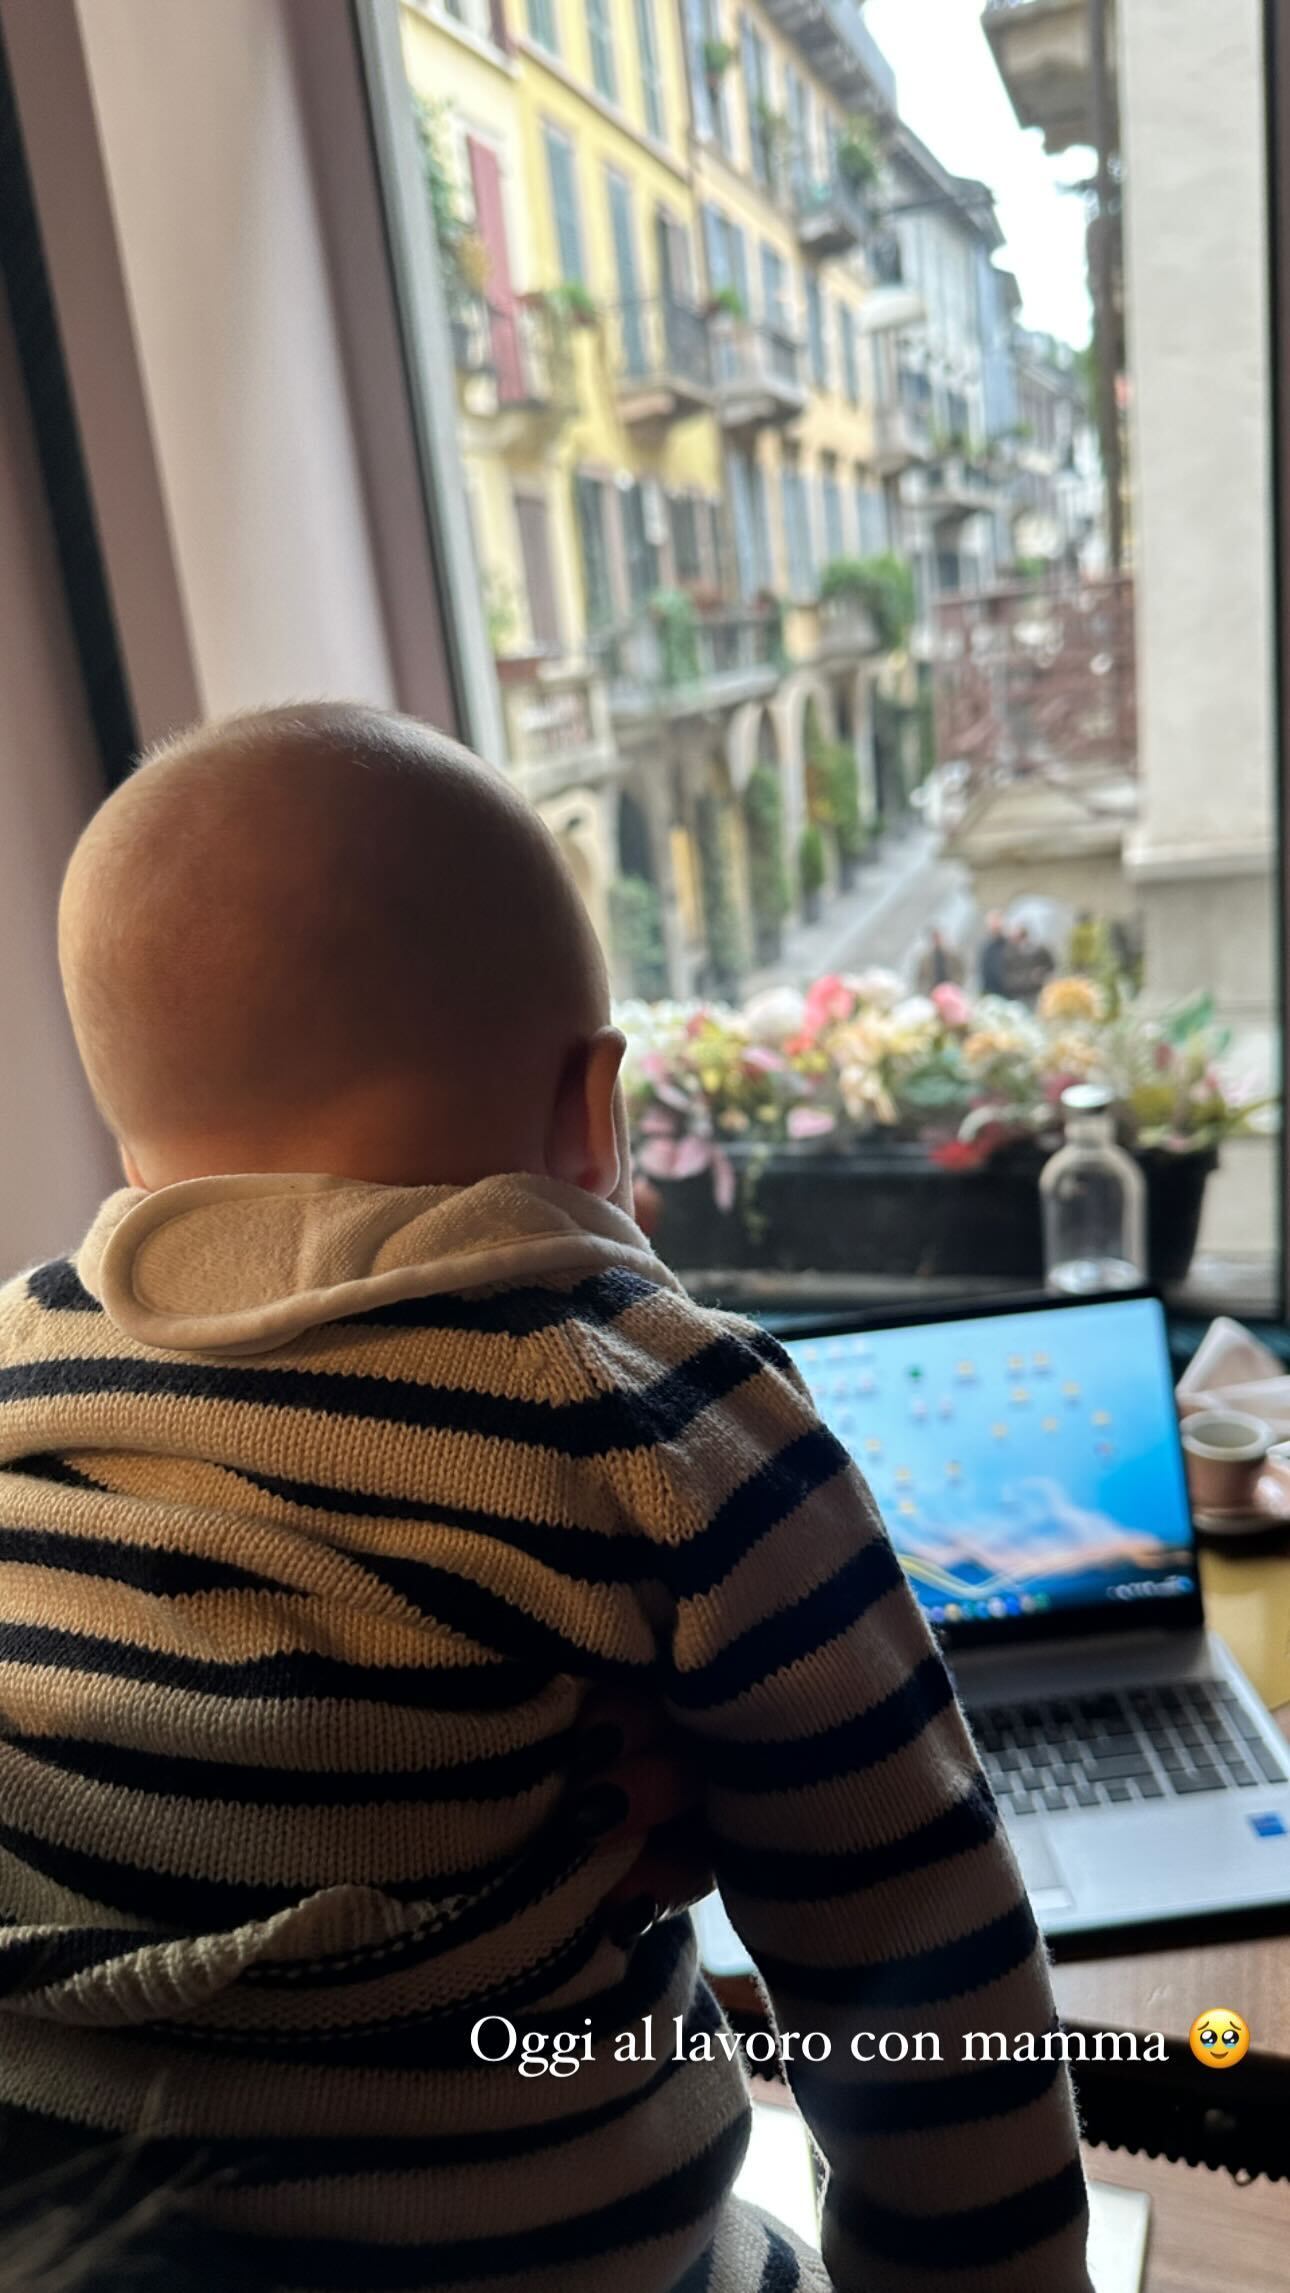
243	1264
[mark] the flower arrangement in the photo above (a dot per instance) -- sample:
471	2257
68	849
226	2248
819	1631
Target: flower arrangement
964	1076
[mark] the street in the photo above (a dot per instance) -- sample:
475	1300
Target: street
885	918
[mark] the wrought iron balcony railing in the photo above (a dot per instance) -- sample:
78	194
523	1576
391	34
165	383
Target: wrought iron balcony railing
655	665
659	336
832	215
524	348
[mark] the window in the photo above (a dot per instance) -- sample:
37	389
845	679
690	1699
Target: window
703	31
562	173
1043	670
774	289
815	332
687	563
757	100
539	577
797	532
727	253
751	523
542	25
873	533
850	361
642	549
600	38
589	496
831	504
651	73
799	131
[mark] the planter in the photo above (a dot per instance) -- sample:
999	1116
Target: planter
887	1209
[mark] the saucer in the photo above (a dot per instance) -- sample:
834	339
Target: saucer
1270	1510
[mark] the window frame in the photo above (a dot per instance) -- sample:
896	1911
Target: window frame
1278	104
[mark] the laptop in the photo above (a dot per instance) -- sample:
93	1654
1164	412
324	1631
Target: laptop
1028	1465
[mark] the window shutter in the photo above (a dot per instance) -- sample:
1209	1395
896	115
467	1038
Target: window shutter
539	576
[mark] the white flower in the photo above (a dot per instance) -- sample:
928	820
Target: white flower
914	1012
775	1015
882	989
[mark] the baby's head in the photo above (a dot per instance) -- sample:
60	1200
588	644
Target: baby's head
325	939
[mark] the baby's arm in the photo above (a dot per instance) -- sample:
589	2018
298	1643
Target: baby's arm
855	1840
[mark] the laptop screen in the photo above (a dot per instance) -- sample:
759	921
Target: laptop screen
1027	1464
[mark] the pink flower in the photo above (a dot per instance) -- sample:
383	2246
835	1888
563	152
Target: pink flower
810	1123
675	1158
952	1004
830	999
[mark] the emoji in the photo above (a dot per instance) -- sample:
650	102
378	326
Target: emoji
1219	2038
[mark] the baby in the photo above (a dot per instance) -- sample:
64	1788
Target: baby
364	1439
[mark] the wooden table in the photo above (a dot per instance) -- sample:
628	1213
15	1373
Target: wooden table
1207	2231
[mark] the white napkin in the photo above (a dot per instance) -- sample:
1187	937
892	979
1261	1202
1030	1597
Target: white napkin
1233	1370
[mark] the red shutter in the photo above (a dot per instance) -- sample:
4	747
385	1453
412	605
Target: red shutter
486	183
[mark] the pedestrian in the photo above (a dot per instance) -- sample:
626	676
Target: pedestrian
939	965
1028	965
994	955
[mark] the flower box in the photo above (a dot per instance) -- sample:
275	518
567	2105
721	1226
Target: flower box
889	1209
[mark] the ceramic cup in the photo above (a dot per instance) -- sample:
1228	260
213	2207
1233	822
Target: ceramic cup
1226	1451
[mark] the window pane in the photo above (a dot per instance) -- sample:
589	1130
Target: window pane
600	39
542	24
955	615
651	72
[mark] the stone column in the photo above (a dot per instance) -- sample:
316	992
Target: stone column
1203	855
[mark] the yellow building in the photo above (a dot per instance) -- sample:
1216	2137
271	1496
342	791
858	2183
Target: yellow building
654	232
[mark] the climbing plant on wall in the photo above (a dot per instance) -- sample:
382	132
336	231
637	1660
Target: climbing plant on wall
636	936
767	874
720	915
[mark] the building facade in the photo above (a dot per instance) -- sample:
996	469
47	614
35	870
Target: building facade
732	359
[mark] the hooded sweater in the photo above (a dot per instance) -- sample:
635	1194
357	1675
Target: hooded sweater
323	1508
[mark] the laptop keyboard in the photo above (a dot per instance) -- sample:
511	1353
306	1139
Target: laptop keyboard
1099	1751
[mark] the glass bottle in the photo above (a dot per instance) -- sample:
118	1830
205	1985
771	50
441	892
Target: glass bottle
1094	1202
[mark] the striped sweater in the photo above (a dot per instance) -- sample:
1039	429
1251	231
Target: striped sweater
322	1509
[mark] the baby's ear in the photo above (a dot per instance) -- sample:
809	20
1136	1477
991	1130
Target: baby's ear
584	1147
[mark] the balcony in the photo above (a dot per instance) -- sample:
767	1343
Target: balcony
956	486
1042	50
661	361
840	48
759	375
514	368
901	437
558	733
712	663
838	632
832	217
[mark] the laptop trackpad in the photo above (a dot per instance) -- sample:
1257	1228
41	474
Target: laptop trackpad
1040	1870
